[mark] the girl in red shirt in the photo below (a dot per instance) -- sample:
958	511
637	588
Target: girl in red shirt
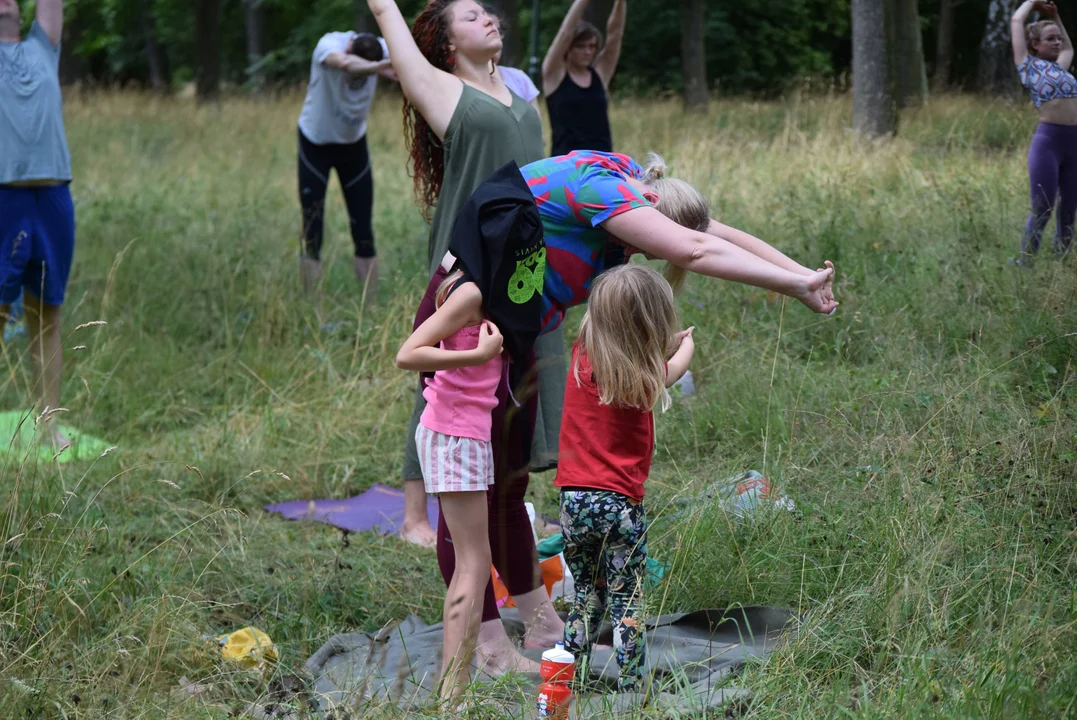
627	354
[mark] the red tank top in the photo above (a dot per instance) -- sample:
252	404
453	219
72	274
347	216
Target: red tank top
602	447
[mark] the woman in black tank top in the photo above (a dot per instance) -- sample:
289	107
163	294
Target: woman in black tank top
575	75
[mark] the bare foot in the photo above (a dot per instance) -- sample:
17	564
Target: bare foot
495	662
420	534
545	634
544	626
495	653
366	272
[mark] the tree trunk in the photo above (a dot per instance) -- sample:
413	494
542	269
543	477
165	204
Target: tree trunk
944	43
693	55
255	19
910	76
597	13
156	58
995	73
873	94
510	51
73	66
362	16
207	28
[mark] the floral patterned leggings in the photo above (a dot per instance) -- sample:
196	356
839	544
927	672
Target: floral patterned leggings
605	538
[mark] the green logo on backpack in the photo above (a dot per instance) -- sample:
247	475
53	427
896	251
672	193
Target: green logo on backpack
527	280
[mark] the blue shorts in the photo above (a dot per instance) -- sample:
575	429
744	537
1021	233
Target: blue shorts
37	242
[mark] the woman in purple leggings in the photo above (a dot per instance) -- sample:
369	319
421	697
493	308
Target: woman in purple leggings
1043	53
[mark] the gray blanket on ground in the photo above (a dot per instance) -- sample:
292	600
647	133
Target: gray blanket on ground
690	657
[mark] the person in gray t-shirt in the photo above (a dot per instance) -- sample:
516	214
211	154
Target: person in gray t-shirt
37	217
332	134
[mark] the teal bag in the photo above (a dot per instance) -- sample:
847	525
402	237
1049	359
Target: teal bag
555	545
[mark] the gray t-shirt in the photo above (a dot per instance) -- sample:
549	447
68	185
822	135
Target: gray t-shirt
337	104
33	144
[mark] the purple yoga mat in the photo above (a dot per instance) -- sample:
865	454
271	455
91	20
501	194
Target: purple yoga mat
380	509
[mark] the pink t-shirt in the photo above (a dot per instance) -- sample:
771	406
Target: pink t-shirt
459	402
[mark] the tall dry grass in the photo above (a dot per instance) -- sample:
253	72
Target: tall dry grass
927	431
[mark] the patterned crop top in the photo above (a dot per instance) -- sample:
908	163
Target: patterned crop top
1046	80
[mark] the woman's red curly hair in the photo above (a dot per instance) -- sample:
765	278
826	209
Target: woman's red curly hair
426	163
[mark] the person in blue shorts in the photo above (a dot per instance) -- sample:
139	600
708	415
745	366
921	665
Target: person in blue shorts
37	216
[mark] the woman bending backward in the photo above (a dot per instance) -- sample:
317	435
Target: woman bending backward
592	205
461	124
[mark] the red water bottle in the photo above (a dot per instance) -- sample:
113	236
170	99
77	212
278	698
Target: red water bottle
554	695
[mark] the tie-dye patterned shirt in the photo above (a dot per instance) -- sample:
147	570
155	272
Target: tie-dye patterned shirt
576	193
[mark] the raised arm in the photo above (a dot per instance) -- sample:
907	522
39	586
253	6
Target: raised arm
1065	58
355	65
50	16
1017	30
553	65
651	232
606	64
435	92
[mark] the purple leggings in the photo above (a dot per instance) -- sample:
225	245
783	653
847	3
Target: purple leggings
512	546
1052	177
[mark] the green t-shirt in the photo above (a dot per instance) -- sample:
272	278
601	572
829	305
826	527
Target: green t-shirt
482	136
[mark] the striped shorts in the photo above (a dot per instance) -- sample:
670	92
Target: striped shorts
454	464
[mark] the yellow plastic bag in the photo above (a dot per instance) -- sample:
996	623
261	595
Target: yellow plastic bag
249	647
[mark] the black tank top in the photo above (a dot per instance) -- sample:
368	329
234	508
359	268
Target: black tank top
579	116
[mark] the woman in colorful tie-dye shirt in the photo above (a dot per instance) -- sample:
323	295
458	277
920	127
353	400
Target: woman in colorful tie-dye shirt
592	204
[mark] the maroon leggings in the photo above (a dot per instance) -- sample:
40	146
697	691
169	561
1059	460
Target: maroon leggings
512	546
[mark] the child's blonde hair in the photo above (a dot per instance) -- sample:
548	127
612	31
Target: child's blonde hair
445	286
628	334
678	201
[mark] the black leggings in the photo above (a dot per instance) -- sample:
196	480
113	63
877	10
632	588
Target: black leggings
352	163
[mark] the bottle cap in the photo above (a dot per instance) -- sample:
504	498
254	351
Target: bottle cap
558	655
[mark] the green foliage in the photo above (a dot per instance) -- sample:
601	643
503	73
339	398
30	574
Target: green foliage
761	49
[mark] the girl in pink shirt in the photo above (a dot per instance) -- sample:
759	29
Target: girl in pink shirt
455	453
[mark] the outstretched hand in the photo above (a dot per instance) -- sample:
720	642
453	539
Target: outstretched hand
684	335
817	291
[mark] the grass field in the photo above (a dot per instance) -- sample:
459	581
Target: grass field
927	431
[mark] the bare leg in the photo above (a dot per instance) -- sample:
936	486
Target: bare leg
310	272
366	272
465	513
417	528
544	625
495	654
46	361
